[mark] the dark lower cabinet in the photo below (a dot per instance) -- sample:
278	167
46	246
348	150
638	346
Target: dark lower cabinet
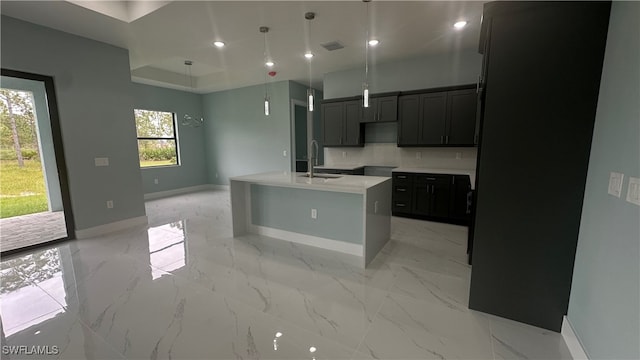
428	196
542	70
460	198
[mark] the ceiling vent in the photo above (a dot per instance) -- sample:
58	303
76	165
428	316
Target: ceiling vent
334	45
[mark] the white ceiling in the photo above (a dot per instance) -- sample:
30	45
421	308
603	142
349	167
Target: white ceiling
161	35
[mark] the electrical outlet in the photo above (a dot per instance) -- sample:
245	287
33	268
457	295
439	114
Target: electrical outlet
101	161
284	153
633	193
375	207
615	184
344	154
314	213
418	155
109	204
155	181
458	155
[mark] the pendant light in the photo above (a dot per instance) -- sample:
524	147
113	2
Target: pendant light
267	63
309	55
365	85
189	120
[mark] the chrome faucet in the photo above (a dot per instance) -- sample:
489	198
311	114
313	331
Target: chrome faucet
310	163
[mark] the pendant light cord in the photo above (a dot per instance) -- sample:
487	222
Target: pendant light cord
266	92
366	48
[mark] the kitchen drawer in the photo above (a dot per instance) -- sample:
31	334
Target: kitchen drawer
433	178
402	178
402	206
402	192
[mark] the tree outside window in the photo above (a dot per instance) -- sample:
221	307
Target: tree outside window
157	140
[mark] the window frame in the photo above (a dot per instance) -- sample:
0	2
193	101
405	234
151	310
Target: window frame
174	119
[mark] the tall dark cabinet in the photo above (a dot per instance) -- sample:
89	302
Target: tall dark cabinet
540	83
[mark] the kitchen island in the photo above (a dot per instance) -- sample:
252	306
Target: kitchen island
349	214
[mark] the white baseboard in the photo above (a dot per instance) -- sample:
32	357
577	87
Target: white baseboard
111	227
219	187
572	341
162	194
329	244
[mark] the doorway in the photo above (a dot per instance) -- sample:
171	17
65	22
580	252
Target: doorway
35	206
300	136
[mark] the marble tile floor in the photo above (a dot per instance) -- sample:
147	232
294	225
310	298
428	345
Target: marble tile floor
25	230
184	288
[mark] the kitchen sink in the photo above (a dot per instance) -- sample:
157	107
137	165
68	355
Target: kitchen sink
323	176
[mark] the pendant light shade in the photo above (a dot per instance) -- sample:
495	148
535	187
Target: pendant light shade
267	106
310	99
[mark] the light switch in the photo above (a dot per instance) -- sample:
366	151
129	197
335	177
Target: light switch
101	161
615	184
633	193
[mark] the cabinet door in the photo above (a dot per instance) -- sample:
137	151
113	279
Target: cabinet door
433	109
461	117
387	108
369	114
440	199
408	119
461	186
333	123
421	199
352	123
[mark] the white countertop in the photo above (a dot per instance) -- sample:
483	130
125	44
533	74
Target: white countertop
345	183
424	170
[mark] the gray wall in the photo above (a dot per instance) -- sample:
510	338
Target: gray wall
604	307
193	168
93	86
240	139
45	137
411	74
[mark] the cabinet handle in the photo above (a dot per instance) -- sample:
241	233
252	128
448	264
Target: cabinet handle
453	180
478	84
441	139
446	139
401	189
400	205
432	188
431	178
401	176
475	139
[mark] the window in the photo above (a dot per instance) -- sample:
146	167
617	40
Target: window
157	141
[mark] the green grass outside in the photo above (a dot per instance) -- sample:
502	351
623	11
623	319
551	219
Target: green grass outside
15	185
150	163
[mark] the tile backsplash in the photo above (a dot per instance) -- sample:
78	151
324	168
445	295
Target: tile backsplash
389	154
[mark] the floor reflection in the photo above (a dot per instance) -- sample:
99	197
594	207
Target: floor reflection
25	304
167	248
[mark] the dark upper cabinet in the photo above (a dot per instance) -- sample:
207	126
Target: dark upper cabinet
408	119
341	123
433	111
539	96
333	123
439	118
352	133
461	116
381	109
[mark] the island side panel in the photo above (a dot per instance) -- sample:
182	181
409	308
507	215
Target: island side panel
338	226
239	211
377	219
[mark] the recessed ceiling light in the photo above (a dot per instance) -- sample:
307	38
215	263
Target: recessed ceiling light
269	63
374	42
312	349
460	24
308	55
218	44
